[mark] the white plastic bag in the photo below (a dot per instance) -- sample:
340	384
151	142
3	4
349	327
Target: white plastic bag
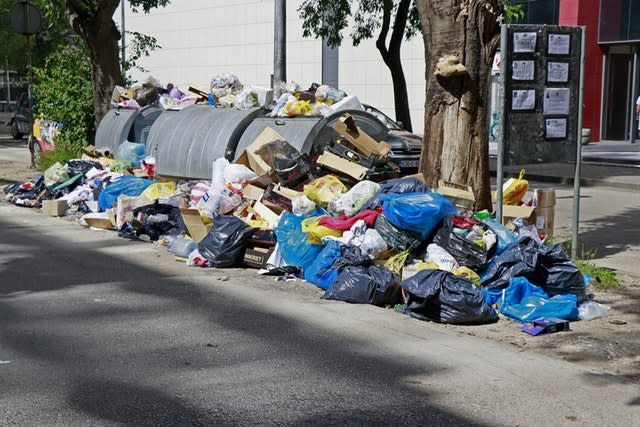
443	259
373	244
352	201
246	99
589	310
236	172
302	206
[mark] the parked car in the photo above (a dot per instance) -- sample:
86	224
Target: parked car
21	120
406	147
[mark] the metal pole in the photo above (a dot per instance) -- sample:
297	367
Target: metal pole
26	8
634	91
280	43
6	59
576	179
122	48
502	136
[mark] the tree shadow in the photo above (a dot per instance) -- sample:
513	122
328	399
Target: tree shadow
112	360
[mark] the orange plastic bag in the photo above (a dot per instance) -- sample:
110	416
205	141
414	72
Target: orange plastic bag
514	189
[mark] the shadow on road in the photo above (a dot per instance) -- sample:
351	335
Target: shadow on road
116	362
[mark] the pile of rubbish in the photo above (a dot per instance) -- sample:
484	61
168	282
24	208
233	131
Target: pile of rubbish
394	243
226	91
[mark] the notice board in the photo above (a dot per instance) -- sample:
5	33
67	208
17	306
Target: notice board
541	93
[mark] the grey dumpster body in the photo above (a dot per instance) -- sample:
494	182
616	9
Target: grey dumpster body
186	142
121	124
309	133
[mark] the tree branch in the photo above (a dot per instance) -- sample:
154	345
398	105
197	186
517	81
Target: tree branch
402	14
384	30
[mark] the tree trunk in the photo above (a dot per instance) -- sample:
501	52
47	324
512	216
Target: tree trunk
92	20
456	140
391	57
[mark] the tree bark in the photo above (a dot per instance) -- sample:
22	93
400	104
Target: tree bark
92	20
456	140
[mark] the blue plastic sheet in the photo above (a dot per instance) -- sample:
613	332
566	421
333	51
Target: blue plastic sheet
294	246
524	302
417	212
320	272
128	185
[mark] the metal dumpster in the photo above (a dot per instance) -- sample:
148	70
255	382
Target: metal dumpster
309	133
186	142
121	124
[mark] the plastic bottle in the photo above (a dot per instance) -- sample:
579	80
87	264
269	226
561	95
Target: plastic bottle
182	247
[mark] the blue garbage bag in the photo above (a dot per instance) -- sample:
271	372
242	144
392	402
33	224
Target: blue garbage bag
503	235
128	185
320	271
524	302
294	245
417	212
131	152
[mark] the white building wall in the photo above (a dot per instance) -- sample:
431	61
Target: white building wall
202	38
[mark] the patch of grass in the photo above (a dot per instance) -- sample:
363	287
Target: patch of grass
603	278
50	157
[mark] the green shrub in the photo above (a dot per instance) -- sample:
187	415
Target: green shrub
63	93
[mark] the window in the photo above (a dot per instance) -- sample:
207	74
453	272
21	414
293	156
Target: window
539	11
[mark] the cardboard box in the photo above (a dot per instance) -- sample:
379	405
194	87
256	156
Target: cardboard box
278	198
196	227
252	192
510	212
460	195
342	165
544	219
257	257
266	214
54	207
351	155
347	128
250	159
263	237
106	220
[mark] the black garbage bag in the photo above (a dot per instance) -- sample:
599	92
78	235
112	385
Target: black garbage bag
224	245
398	185
442	297
156	219
466	252
81	167
374	284
399	240
350	255
545	266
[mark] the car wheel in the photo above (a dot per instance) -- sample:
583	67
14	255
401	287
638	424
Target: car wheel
15	132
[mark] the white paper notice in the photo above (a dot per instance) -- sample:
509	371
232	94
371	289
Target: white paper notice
556	128
559	44
523	99
556	101
522	70
524	42
558	72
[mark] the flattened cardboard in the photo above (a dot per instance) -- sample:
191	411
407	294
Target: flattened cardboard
54	207
196	227
347	128
342	165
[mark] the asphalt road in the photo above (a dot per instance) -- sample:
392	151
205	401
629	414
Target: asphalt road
99	330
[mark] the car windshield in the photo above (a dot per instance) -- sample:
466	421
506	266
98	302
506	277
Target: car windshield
386	120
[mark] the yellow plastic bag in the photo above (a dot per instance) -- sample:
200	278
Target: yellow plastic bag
426	266
158	191
316	232
324	189
468	274
514	190
297	108
396	262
